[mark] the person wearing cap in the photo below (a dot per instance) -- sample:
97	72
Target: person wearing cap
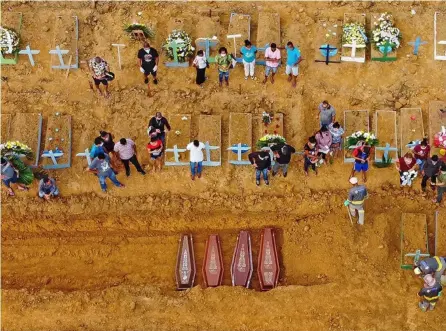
282	156
441	184
99	69
48	188
272	61
430	293
355	201
431	265
158	124
430	171
10	176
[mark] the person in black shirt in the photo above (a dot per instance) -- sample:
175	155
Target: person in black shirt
148	62
159	125
282	156
107	138
430	293
261	161
311	157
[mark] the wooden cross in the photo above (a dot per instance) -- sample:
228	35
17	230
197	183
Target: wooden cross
176	152
118	46
85	154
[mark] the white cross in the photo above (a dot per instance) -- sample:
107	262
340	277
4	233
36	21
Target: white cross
119	53
28	51
85	154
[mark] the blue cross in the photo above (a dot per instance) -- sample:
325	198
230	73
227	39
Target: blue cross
417	43
176	153
28	51
207	43
239	149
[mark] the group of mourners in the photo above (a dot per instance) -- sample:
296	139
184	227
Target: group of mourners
148	59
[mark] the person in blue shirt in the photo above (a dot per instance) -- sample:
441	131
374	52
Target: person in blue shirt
292	63
97	148
249	58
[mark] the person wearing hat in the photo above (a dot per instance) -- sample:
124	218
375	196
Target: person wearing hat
441	184
355	201
10	176
436	264
158	124
430	293
99	69
282	156
430	171
48	188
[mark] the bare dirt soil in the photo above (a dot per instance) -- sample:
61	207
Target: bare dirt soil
90	261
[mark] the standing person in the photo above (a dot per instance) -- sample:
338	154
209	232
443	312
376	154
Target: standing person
196	158
223	60
421	153
431	169
310	152
261	161
99	68
101	167
292	63
441	184
356	198
48	188
430	293
97	147
327	113
148	59
282	155
361	155
160	126
155	150
10	176
108	143
126	150
404	165
324	141
249	52
336	132
201	64
272	59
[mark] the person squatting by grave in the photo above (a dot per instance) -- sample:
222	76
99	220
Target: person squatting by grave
310	155
126	150
148	59
272	61
429	294
224	61
196	158
282	155
201	64
361	155
10	175
406	167
421	152
249	52
160	126
336	132
292	63
327	114
356	198
99	69
48	188
324	141
261	161
430	171
155	150
102	168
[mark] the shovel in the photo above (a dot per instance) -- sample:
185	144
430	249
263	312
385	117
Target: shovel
349	215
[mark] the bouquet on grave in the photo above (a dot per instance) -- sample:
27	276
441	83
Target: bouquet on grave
12	151
9	40
269	140
266	118
359	136
440	138
148	31
354	32
184	42
408	176
384	33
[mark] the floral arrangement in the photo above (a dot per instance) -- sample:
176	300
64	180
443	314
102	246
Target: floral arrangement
354	31
9	42
266	118
148	32
408	176
184	50
270	139
12	151
384	33
358	136
440	138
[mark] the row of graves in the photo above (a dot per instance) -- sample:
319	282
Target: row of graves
338	41
242	266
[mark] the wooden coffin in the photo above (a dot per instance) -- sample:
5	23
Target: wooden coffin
241	268
213	262
185	270
268	268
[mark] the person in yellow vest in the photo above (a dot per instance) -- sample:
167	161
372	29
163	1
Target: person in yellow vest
430	293
431	265
356	198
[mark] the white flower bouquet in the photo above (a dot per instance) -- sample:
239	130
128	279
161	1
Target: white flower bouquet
270	139
9	40
385	34
408	177
354	32
185	48
358	136
16	148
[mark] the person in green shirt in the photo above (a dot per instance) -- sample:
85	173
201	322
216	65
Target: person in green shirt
441	184
223	60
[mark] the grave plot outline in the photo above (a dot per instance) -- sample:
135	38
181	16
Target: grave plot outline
237	33
404	145
354	46
374	53
8	60
54	155
434	111
208	147
438	40
386	148
238	146
350	159
61	52
207	44
422	252
175	148
326	50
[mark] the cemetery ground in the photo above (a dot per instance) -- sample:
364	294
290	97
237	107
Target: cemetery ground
89	261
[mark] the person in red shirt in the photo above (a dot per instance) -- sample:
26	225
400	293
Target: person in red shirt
421	153
405	164
155	150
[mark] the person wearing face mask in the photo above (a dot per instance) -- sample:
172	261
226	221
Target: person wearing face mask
148	59
336	132
310	158
421	153
324	140
158	124
272	58
405	164
361	155
249	58
430	171
441	184
223	60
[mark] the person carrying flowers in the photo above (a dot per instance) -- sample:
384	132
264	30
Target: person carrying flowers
406	167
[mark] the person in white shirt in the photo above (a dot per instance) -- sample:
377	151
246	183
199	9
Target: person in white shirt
196	158
201	64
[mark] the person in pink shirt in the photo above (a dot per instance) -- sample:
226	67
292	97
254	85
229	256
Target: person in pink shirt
272	59
324	140
126	151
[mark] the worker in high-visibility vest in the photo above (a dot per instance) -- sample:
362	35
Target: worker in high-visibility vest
430	293
436	264
356	198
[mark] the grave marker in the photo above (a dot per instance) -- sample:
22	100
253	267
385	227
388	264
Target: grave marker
328	42
386	133
118	46
73	51
354	120
268	32
411	127
174	45
354	46
28	51
414	239
57	152
440	36
85	154
416	45
207	44
240	138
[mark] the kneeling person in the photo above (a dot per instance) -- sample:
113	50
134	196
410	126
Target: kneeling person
48	188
